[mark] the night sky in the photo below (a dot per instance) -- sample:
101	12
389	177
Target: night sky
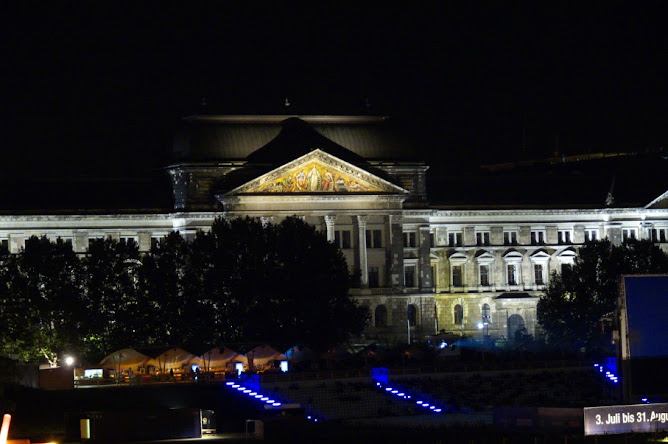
94	89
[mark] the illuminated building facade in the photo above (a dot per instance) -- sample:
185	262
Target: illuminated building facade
461	256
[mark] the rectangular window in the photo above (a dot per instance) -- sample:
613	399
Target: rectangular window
538	237
512	274
510	238
127	240
455	239
482	238
564	236
457	280
409	240
591	235
538	274
484	275
431	240
342	239
374	277
409	276
374	238
5	244
660	235
155	242
628	234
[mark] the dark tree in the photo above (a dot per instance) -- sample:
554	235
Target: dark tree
282	284
111	297
39	301
576	302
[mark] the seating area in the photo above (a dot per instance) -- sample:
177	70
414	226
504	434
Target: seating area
336	400
483	391
454	392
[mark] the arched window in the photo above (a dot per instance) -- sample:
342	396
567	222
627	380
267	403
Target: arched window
486	313
381	316
459	314
515	325
411	312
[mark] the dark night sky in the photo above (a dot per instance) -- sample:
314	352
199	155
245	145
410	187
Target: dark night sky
95	90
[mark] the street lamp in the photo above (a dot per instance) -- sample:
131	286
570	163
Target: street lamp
69	361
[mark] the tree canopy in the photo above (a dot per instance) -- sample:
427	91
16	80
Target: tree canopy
576	301
242	281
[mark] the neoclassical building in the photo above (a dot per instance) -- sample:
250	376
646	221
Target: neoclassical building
466	253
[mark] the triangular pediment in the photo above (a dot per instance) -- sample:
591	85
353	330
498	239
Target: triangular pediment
318	172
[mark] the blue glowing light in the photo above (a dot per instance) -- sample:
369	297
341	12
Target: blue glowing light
438	410
394	391
389	389
229	383
418	402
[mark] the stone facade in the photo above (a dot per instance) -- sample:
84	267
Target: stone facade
423	269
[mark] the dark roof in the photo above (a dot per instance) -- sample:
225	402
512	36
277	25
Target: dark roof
209	138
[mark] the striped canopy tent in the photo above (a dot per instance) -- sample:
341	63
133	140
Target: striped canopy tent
127	358
263	355
176	358
219	358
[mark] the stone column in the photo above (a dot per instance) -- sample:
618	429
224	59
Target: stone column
425	259
364	269
331	224
397	251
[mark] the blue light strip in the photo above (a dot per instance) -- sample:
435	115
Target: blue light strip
256	395
403	395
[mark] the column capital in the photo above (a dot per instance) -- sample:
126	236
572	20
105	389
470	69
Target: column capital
362	220
330	219
396	219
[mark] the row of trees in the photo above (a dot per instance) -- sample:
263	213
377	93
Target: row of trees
578	306
242	281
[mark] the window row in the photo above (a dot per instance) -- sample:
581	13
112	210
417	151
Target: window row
381	316
512	275
343	239
485	315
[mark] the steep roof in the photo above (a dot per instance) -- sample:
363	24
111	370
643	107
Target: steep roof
239	137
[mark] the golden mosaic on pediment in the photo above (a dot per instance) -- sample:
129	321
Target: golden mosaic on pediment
315	177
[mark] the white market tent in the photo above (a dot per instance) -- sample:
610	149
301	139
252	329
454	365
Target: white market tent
127	358
176	358
263	355
218	358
